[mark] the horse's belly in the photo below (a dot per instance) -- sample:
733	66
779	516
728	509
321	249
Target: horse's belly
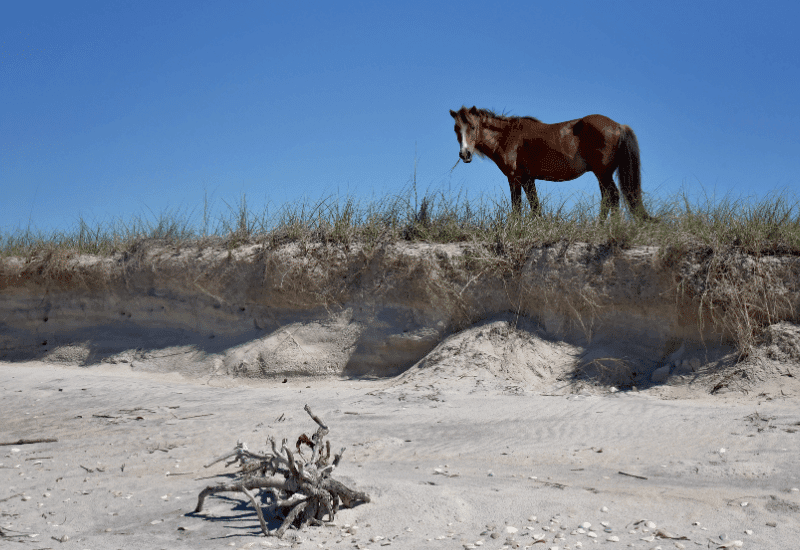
560	168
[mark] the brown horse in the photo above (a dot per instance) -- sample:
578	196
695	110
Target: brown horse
526	149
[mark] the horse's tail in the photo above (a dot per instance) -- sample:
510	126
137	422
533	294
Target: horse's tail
630	173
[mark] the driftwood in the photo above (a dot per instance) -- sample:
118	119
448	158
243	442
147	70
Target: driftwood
631	475
305	495
30	441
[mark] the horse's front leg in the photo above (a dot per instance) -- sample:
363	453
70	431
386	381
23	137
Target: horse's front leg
529	184
515	183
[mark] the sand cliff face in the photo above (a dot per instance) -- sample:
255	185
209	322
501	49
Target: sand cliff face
331	309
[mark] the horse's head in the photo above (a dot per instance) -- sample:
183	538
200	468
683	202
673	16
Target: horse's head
467	125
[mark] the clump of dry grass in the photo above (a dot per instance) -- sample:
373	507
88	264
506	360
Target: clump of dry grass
761	227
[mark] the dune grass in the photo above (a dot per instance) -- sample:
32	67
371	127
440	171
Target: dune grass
766	226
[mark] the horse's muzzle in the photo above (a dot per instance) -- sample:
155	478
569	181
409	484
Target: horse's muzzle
466	156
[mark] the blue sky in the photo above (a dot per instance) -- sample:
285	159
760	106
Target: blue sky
115	109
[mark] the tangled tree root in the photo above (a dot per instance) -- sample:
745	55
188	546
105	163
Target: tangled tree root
306	494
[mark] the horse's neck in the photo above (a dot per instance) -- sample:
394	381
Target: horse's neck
492	130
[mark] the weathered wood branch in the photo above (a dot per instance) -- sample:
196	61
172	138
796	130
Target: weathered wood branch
29	441
306	495
253	501
315	418
290	518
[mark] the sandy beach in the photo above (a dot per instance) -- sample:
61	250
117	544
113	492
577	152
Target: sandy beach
447	464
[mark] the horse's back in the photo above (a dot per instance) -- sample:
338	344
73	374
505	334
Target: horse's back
600	122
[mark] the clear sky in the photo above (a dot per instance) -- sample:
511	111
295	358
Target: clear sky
116	109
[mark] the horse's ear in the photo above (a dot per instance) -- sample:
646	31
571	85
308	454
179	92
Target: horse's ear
453	113
474	110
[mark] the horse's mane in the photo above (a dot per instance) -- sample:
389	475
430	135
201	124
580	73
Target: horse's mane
490	113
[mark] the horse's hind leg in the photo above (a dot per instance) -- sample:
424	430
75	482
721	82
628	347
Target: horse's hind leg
529	184
609	194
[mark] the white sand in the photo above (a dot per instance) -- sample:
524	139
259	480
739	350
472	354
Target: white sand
446	462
